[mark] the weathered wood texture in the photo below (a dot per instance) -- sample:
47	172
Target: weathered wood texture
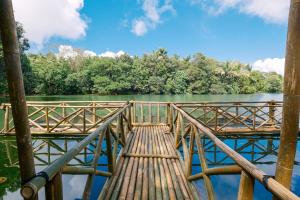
149	168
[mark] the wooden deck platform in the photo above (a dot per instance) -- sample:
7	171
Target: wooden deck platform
149	168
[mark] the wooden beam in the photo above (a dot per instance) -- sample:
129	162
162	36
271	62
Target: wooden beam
291	99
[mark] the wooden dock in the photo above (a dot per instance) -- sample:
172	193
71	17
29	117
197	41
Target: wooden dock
149	148
149	168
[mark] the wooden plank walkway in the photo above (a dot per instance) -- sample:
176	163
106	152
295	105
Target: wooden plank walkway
149	168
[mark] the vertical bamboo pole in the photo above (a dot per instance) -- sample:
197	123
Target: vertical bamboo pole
271	120
158	113
216	119
54	188
191	151
6	119
254	119
246	187
178	129
16	89
142	113
94	112
133	112
168	112
130	117
83	121
291	99
47	119
150	112
201	154
111	163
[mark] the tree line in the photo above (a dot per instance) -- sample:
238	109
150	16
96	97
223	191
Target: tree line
153	73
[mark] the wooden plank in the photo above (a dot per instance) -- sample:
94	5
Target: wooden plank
124	180
169	164
151	168
140	161
145	189
157	174
175	171
115	184
165	166
164	187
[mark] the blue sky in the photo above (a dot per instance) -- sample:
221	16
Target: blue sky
244	30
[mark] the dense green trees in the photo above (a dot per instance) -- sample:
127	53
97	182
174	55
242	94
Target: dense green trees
154	73
27	72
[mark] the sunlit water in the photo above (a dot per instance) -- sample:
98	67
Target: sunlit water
261	151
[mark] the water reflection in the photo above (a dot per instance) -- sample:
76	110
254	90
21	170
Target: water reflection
47	150
262	151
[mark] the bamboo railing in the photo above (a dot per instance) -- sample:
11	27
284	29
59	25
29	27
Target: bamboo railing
107	134
149	113
188	135
237	117
68	117
82	117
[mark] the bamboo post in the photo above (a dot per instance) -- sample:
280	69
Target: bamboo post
130	119
272	109
121	129
254	119
178	129
171	117
191	151
47	119
158	113
83	121
54	188
94	112
201	154
150	112
142	113
246	187
6	119
16	89
216	119
291	99
111	163
167	114
133	112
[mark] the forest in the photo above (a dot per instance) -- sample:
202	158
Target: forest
152	73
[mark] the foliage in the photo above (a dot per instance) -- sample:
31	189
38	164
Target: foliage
26	68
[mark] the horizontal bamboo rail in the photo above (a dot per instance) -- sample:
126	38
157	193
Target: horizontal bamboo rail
273	186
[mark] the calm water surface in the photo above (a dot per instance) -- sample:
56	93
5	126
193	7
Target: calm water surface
261	151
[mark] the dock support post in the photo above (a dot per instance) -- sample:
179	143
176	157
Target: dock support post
272	110
291	99
16	89
246	187
54	189
6	119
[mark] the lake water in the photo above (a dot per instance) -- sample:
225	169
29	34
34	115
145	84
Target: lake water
261	151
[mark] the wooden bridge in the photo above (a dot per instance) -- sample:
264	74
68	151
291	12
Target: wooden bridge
151	147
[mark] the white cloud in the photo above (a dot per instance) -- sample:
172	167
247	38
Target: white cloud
110	54
271	11
139	27
67	51
152	16
48	18
270	65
